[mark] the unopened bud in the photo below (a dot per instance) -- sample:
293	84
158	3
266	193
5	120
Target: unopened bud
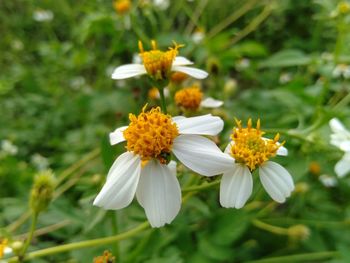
17	246
299	232
301	188
230	87
314	168
42	191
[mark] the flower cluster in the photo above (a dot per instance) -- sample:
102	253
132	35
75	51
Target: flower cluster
153	137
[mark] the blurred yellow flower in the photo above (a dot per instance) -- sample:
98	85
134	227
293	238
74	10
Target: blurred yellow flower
107	257
122	6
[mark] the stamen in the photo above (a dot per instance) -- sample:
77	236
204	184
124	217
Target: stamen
250	148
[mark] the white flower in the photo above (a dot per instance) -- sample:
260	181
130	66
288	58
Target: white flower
328	181
42	15
341	139
40	162
158	65
143	169
211	103
341	70
248	151
8	148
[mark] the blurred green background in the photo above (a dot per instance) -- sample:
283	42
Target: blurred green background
273	60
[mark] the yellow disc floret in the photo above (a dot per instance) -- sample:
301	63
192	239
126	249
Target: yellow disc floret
250	148
107	257
122	6
189	98
158	63
151	134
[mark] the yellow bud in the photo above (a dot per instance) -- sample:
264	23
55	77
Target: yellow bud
107	257
230	87
17	246
314	168
299	232
301	188
42	191
344	7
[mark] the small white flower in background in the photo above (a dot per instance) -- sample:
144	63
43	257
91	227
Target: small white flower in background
191	98
341	139
242	64
285	78
158	65
327	56
249	151
77	83
17	45
328	181
41	15
198	36
8	148
146	169
341	70
161	4
40	162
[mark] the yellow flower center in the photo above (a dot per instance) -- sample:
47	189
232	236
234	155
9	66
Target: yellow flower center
250	148
122	6
189	98
178	77
158	63
107	257
151	134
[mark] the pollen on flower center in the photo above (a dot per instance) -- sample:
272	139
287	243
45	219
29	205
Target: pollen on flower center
250	148
158	63
151	134
189	98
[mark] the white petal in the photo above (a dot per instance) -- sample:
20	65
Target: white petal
159	193
282	151
121	184
337	126
211	103
228	147
204	125
117	136
276	180
342	167
181	61
193	72
201	155
236	186
345	145
128	71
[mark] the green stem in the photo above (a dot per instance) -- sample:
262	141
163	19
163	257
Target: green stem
83	244
30	235
200	187
162	99
253	25
114	222
270	228
299	257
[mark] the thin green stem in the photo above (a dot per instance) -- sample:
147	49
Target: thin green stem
253	25
232	18
270	228
200	187
162	100
114	221
345	101
83	244
299	257
30	235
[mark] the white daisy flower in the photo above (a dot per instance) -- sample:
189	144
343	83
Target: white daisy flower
248	151
41	15
191	98
144	169
341	70
158	65
341	139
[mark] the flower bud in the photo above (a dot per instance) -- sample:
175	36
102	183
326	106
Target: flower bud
299	232
17	246
42	191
